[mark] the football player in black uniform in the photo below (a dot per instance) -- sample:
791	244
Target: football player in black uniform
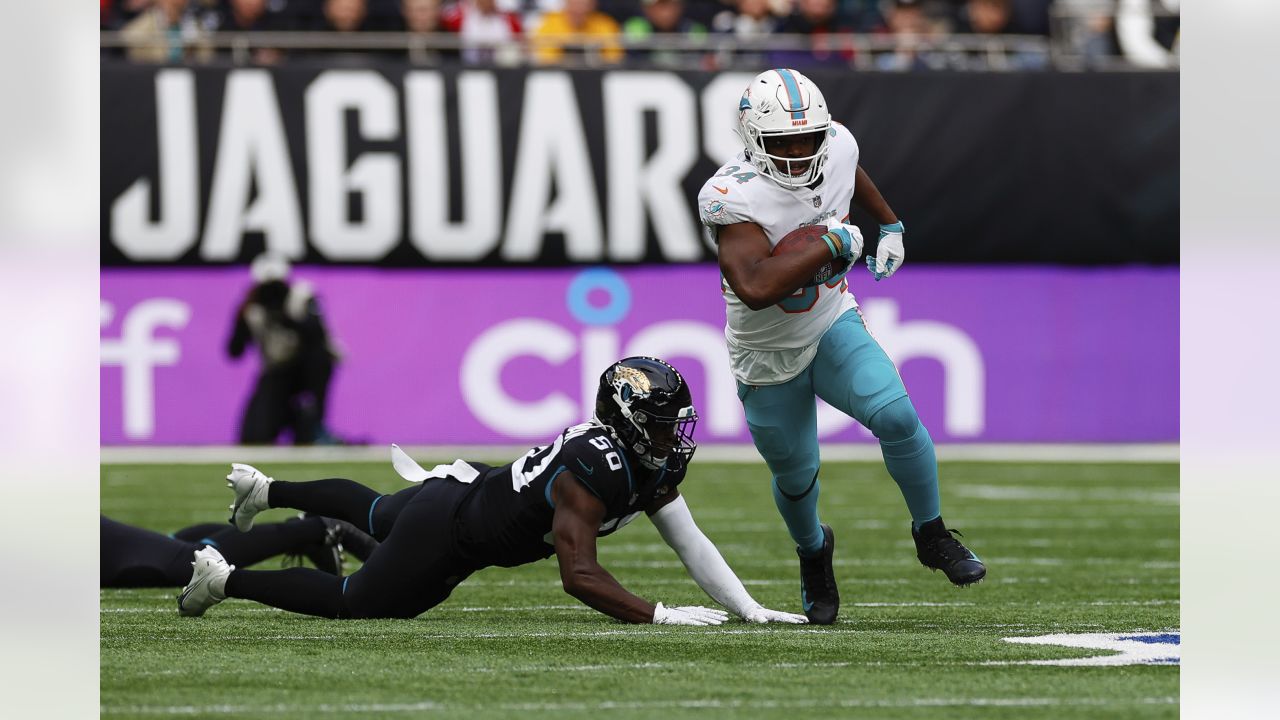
556	499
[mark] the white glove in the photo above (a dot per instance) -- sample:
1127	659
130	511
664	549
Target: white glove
850	236
690	615
761	614
890	253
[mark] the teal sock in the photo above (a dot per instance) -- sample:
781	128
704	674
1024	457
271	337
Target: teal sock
799	510
914	466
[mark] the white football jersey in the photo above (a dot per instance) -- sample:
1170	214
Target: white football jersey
773	345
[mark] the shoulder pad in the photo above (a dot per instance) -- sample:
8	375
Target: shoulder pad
723	201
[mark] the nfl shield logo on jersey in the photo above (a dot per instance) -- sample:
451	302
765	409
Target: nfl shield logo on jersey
817	201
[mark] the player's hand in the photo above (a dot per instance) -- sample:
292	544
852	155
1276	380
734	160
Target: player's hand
890	254
689	615
760	614
847	237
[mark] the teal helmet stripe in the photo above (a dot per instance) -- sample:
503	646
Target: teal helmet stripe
793	92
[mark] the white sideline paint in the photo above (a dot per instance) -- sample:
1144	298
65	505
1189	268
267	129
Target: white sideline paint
1062	494
731	453
676	704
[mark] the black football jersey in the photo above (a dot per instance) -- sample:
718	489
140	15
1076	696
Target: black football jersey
506	521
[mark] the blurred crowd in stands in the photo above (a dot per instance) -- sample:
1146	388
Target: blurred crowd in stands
882	34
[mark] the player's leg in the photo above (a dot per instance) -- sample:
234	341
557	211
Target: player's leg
315	367
267	411
133	557
338	498
363	507
321	539
410	572
853	374
415	569
309	536
784	426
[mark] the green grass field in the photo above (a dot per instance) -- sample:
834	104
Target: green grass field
1071	548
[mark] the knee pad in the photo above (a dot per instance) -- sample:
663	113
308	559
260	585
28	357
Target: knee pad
793	462
874	380
895	422
796	484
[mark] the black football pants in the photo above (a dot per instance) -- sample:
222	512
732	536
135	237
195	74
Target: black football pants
414	568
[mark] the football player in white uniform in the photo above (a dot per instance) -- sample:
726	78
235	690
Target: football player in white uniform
790	341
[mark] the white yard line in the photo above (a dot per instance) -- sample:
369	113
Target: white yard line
731	453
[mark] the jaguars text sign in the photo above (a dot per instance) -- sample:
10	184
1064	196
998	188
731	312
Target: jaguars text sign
398	166
355	165
501	356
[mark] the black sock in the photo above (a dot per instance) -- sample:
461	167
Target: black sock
935	528
267	540
344	500
336	498
300	590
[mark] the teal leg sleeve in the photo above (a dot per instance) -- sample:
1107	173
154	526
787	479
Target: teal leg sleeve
853	374
909	457
783	420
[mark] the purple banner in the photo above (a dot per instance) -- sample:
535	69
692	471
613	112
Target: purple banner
503	356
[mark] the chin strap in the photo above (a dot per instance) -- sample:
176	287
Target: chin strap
637	448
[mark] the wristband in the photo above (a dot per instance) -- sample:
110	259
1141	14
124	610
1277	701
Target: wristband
832	244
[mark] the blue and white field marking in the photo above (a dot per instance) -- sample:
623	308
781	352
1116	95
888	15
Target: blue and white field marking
1150	648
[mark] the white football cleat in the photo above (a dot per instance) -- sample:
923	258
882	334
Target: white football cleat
250	486
208	585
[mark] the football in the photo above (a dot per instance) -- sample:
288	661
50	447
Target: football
802	237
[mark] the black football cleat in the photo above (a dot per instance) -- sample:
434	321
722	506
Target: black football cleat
937	548
325	555
354	540
818	593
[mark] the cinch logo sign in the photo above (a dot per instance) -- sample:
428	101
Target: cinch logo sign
598	342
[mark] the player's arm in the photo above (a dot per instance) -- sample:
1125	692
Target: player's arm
889	251
867	196
670	514
758	278
240	334
578	516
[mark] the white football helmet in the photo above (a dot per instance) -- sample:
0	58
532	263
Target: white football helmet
784	102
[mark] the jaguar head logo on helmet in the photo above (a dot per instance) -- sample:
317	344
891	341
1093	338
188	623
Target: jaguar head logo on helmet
783	121
647	405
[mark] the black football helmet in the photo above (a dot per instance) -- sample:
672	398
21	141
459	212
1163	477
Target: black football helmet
646	404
